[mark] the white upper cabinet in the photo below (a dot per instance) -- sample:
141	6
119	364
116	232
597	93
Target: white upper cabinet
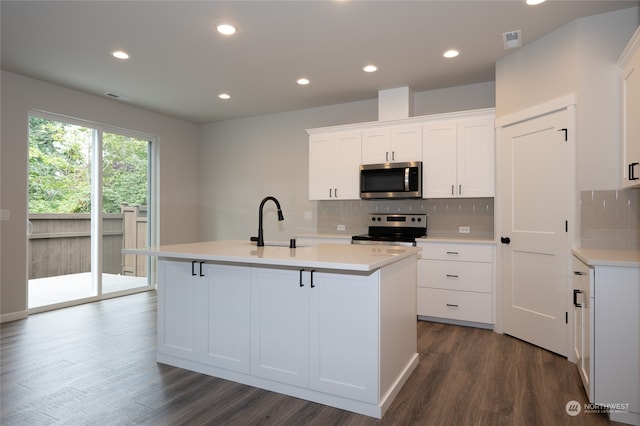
334	166
630	64
459	157
392	144
457	150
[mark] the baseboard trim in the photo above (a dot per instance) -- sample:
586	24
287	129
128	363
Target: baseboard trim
13	316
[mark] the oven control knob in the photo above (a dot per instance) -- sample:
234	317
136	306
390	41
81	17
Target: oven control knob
419	219
379	219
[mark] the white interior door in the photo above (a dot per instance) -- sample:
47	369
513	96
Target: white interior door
535	209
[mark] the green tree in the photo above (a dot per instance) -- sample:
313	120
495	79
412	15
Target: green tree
60	169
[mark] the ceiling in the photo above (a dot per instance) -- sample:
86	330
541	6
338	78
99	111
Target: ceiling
179	63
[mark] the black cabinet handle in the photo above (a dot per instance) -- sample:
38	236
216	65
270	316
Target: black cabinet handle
632	169
201	274
312	285
451	305
578	273
301	271
452	252
505	240
451	276
193	268
575	298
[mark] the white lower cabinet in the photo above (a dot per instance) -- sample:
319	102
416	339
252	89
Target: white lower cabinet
606	335
456	281
583	322
316	330
208	308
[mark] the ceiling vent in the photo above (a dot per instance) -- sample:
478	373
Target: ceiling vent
512	39
113	95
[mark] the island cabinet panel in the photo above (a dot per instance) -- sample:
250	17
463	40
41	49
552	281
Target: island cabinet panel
317	330
181	309
203	313
343	332
279	326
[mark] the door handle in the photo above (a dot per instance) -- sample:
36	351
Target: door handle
193	268
505	240
201	274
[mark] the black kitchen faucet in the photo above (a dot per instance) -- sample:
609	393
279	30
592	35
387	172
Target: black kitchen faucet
280	217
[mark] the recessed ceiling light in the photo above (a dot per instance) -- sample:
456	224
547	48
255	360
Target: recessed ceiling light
224	96
534	2
120	54
303	81
451	53
226	29
370	68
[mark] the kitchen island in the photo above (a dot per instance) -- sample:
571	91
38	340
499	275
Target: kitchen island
333	324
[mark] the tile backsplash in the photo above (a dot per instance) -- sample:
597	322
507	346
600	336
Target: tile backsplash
610	219
444	215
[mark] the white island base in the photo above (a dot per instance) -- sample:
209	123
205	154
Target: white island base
343	336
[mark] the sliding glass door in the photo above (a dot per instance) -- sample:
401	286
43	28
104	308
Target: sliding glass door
89	198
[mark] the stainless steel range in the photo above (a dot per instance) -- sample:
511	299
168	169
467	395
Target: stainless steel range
393	229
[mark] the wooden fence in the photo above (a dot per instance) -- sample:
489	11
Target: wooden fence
60	244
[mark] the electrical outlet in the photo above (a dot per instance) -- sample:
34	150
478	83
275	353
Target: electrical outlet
5	214
341	227
308	216
464	229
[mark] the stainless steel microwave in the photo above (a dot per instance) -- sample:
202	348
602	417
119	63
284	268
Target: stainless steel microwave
391	180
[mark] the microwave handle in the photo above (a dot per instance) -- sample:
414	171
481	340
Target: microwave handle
406	179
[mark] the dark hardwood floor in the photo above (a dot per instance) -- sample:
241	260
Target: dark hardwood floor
95	364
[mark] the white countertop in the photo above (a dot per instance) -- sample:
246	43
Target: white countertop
323	256
605	257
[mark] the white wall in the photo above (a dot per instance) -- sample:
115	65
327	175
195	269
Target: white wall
178	194
580	59
244	160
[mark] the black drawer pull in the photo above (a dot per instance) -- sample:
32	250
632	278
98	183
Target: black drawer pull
632	167
451	276
452	252
450	305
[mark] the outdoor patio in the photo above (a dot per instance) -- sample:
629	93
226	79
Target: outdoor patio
63	288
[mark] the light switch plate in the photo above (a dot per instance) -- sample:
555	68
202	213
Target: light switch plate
5	214
464	229
341	227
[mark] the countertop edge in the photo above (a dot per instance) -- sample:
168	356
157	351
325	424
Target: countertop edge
605	257
174	252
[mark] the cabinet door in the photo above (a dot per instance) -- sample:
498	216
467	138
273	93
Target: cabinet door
279	326
439	147
476	158
321	166
229	316
406	143
343	330
375	146
631	124
182	310
347	166
581	323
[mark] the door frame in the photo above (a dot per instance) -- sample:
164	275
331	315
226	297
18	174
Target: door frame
568	102
153	209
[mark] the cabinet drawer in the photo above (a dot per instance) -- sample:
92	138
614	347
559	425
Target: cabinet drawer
447	275
458	305
465	252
